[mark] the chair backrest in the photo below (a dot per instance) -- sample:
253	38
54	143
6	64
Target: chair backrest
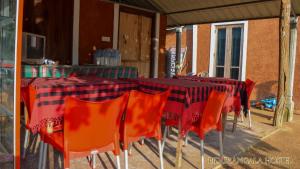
249	88
212	112
28	95
91	125
143	115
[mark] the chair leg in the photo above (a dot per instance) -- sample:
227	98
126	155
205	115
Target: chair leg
60	160
224	121
221	146
66	161
44	156
41	154
242	115
94	160
130	149
164	138
169	131
118	162
126	159
160	155
235	121
250	120
186	139
202	153
26	141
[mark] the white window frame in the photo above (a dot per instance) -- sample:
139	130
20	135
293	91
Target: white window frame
213	46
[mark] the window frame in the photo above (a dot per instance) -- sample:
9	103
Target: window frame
213	48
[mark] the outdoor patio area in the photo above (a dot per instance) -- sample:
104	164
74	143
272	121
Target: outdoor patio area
149	84
146	156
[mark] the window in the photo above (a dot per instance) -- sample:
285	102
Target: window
228	50
7	60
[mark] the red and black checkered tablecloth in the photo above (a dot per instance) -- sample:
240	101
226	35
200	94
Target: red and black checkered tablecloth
187	100
51	92
239	86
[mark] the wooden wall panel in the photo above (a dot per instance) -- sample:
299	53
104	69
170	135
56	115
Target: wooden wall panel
146	26
53	19
135	41
96	20
129	37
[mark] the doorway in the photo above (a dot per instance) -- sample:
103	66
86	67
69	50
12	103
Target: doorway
135	41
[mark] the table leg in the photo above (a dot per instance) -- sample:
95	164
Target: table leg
179	148
235	121
224	121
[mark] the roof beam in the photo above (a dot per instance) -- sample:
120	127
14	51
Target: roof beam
221	6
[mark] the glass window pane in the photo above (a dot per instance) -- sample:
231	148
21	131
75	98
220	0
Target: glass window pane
234	73
220	72
7	59
221	47
236	46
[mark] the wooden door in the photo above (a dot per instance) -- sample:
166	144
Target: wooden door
135	42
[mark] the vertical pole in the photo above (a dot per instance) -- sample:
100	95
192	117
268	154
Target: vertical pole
75	46
116	25
17	83
156	46
178	47
281	109
195	49
293	46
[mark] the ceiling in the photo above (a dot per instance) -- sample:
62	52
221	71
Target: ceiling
186	12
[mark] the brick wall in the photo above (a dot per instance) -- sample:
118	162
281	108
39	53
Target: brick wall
262	55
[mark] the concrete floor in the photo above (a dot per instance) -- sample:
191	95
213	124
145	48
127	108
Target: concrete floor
146	156
280	150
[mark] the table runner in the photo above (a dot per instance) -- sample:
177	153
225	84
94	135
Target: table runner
187	99
50	95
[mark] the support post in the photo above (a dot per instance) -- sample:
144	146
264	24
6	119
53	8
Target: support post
116	25
178	47
195	49
293	46
75	43
155	42
284	76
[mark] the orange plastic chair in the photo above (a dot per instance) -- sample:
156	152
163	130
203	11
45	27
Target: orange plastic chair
249	88
86	131
143	119
210	120
28	96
